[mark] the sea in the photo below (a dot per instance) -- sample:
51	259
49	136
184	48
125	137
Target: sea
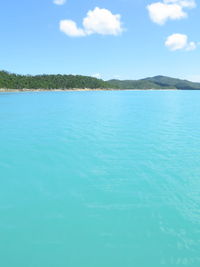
100	179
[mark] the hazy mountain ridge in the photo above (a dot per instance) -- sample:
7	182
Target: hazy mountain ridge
157	82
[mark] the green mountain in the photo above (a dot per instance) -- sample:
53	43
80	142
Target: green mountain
15	81
157	82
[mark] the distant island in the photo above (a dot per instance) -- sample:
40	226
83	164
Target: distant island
11	81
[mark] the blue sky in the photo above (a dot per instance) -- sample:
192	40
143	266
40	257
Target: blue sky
148	38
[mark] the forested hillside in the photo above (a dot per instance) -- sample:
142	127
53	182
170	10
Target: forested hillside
157	82
164	81
15	81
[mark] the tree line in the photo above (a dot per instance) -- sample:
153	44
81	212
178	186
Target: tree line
16	81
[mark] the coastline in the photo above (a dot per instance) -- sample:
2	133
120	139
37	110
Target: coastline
53	90
2	90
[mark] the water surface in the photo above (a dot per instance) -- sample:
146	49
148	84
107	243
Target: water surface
100	179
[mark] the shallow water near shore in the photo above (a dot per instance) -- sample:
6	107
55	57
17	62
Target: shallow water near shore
100	179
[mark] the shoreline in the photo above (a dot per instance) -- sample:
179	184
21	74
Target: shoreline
79	90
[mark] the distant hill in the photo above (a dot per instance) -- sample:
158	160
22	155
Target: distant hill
157	82
15	81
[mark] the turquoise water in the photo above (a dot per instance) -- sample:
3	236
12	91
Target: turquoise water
100	179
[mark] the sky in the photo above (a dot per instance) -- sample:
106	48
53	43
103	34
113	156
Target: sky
120	39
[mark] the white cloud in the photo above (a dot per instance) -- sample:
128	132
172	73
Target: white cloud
97	75
183	3
97	21
102	21
179	41
70	28
59	2
193	78
160	12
